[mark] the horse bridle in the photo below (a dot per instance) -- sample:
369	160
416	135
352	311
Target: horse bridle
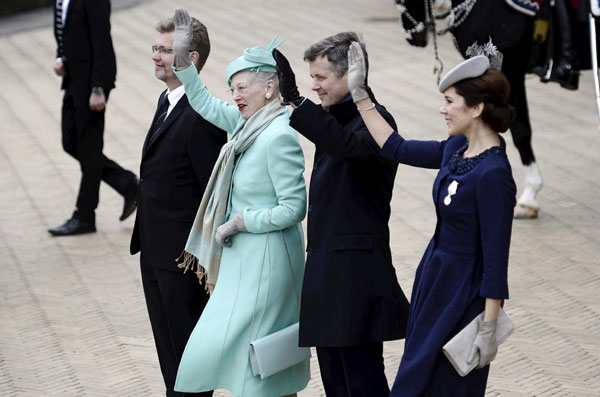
458	14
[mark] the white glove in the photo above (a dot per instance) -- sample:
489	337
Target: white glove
182	40
230	228
485	344
357	72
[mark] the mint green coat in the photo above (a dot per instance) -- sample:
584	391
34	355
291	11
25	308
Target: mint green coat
267	177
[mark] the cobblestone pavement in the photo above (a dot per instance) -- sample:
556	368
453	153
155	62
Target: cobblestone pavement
73	320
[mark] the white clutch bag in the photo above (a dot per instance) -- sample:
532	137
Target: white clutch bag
276	352
458	348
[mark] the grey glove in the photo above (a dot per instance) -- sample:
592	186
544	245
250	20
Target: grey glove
230	228
485	344
357	72
182	40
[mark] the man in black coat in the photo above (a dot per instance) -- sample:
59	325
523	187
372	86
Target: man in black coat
351	299
177	159
86	62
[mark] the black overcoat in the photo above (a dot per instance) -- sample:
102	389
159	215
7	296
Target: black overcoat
174	171
350	294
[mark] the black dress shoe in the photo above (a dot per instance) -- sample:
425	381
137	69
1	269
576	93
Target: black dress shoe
562	72
73	226
130	199
542	72
565	74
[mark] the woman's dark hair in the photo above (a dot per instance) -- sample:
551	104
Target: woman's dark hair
492	89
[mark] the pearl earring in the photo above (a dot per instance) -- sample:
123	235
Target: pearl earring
268	96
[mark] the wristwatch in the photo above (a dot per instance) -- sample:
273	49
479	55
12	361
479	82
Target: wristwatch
97	90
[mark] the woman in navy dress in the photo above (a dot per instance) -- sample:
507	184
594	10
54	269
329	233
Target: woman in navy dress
464	269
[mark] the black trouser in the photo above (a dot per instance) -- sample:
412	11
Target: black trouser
175	301
353	371
82	138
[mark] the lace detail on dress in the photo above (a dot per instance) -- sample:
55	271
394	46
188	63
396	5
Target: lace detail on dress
459	165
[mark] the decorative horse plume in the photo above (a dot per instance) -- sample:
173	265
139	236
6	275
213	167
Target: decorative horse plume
489	50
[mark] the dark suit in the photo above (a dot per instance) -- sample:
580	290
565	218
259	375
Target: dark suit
89	61
176	165
351	300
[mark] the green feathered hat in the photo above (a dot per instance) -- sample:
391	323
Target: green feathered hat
254	59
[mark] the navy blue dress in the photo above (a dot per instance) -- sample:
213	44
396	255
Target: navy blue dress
465	261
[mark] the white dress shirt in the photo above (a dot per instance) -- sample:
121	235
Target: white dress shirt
65	7
174	97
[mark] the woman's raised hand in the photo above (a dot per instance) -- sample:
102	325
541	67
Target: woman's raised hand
182	40
357	72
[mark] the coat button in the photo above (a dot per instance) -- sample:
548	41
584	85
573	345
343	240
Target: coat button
315	166
141	180
310	208
309	250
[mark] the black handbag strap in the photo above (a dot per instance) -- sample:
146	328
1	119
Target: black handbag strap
261	273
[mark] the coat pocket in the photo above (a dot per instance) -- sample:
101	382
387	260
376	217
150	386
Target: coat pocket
361	242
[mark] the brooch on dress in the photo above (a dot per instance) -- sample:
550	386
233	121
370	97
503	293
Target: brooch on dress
451	191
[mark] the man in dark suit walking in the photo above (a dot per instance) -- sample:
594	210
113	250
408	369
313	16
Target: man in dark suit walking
86	62
351	299
177	159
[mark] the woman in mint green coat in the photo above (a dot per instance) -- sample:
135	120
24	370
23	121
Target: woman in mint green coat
256	198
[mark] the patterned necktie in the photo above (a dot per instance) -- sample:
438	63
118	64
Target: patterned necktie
59	27
162	115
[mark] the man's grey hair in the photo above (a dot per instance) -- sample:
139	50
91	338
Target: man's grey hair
200	41
335	48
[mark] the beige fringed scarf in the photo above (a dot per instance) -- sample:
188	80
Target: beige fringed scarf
201	250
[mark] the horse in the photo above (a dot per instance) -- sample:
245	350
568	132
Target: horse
510	28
